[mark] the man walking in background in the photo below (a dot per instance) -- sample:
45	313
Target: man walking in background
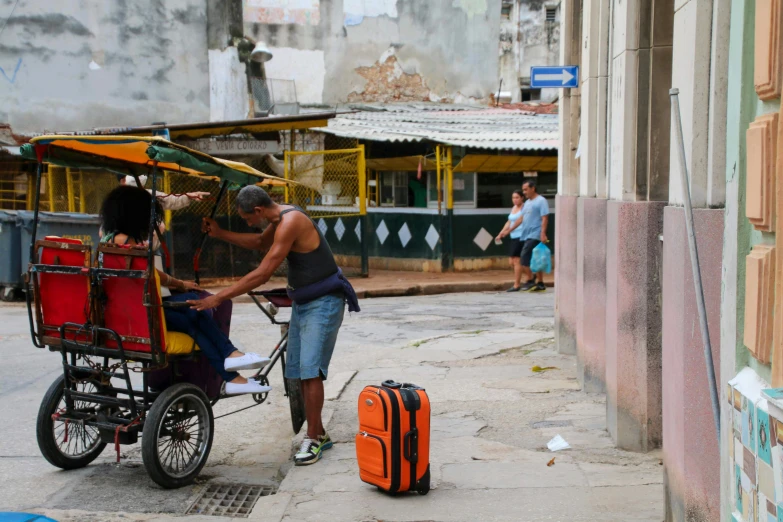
535	217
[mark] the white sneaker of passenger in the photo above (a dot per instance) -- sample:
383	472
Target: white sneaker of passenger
249	361
251	386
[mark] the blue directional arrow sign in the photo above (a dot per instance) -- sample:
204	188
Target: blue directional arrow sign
565	76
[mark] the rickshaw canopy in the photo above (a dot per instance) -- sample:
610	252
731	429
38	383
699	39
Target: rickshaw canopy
136	155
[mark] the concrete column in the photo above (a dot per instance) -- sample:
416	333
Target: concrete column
633	324
565	274
691	453
591	294
569	113
568	186
691	75
692	462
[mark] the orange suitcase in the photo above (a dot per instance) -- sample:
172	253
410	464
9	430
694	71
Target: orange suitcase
393	443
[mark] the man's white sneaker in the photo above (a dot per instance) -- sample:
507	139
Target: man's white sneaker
249	361
251	386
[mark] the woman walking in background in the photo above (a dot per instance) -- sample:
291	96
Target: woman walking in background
512	229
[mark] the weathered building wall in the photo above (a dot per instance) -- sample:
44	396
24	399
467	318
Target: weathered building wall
89	63
527	39
380	50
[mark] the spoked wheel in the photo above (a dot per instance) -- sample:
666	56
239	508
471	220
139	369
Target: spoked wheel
67	445
177	436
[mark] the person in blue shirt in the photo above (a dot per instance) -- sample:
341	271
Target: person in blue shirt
512	229
535	217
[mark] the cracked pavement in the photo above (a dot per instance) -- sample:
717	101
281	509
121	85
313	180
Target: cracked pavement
491	419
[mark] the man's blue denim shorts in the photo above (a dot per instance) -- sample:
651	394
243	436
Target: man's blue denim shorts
312	335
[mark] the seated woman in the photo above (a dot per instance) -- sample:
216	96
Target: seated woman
125	217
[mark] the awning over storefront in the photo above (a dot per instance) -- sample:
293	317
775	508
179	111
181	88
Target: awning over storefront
492	163
405	163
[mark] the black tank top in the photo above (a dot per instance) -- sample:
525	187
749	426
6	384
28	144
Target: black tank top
305	269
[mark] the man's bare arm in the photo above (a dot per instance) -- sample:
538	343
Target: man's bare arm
284	237
249	241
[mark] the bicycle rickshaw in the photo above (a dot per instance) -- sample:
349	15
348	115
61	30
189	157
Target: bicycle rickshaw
102	310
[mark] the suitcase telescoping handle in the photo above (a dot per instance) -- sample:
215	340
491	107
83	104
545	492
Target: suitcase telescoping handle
410	446
396	386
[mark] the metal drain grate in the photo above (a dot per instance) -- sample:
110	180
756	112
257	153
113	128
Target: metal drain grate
229	500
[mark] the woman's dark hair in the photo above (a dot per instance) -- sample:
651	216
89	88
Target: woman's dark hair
519	193
126	210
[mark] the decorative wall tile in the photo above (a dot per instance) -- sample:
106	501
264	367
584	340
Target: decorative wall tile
761	139
382	232
777	463
772	512
752	423
764	445
759	301
404	234
483	239
767	73
738	488
339	229
432	237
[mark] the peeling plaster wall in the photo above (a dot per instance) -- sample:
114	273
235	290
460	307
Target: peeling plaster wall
306	68
386	50
88	63
527	40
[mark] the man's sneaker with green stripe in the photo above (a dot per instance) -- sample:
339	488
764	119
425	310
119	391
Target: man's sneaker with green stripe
326	442
309	452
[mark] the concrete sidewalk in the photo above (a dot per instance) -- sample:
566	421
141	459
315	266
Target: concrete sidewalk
382	283
491	419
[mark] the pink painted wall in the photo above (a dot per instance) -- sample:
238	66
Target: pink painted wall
565	274
690	444
591	294
633	324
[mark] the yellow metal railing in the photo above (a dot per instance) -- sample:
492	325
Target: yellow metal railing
329	183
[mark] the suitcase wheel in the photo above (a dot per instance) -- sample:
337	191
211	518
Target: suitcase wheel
423	486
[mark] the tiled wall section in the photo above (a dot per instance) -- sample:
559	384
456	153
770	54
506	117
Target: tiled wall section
757	452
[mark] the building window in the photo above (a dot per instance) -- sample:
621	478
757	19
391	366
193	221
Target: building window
505	11
551	14
495	188
402	189
529	94
394	189
464	190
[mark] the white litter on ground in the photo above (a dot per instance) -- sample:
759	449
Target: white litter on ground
558	443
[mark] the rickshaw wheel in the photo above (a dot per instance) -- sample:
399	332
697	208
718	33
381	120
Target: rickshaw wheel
296	402
69	445
177	436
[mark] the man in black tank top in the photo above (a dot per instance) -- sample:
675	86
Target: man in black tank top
315	284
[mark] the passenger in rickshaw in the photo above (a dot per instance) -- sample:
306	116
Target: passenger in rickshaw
125	217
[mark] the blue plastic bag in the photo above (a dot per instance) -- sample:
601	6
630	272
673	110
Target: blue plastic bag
541	260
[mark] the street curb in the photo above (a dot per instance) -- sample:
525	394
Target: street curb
414	290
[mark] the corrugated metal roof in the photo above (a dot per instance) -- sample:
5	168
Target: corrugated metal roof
458	125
